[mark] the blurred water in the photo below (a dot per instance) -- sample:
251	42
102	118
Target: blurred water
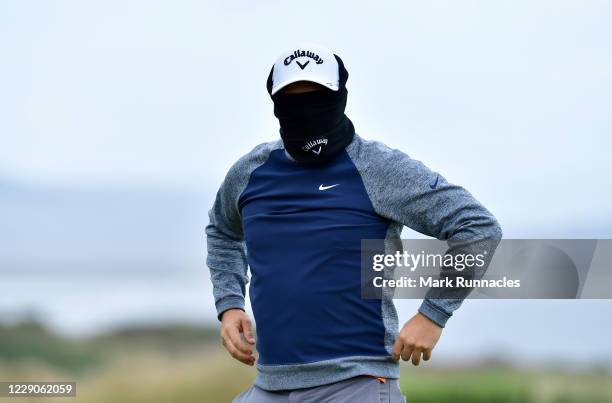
80	302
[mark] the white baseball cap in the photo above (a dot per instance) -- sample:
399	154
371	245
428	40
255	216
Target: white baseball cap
305	62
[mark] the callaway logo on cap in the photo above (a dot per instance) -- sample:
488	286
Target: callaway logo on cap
306	62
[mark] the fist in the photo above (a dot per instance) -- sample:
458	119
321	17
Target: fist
237	335
418	337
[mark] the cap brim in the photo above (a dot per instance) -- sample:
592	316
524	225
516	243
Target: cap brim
280	86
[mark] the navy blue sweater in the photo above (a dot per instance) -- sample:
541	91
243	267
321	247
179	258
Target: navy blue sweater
299	230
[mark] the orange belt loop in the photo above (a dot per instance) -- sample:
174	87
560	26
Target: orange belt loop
381	380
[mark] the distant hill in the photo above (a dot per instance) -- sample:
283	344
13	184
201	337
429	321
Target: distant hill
44	224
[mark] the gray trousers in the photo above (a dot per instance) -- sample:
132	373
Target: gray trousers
362	389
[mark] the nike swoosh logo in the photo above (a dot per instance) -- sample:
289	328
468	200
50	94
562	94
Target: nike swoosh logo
303	66
321	187
435	183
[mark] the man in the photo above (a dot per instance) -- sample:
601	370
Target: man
295	212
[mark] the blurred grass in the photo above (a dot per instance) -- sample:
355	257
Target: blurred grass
186	364
29	341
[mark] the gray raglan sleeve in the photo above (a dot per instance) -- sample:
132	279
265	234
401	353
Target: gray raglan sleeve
404	190
226	249
226	258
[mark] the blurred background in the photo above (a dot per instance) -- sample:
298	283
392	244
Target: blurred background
119	120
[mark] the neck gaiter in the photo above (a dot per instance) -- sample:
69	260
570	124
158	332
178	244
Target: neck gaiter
313	125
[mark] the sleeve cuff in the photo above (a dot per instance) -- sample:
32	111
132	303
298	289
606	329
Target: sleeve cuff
434	313
229	303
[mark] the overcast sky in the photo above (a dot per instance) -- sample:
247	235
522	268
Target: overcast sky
510	99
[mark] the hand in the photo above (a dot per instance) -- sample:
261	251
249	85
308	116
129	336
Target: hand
418	336
237	335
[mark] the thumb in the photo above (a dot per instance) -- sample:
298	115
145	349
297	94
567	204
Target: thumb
397	349
247	330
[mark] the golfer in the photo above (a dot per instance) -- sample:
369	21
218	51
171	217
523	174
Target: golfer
294	211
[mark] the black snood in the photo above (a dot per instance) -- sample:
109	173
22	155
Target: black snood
313	125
